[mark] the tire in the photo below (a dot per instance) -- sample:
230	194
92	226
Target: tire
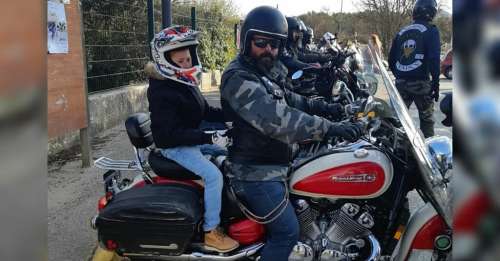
448	73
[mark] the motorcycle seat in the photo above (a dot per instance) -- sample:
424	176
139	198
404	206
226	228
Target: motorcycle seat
167	168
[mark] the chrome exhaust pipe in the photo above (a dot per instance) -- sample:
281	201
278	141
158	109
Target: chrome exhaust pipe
245	252
376	251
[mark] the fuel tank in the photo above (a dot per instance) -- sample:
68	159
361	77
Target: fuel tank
359	174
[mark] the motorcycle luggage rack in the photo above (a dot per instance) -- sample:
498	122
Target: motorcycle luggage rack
111	164
127	165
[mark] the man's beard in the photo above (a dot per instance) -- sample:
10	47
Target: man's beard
266	61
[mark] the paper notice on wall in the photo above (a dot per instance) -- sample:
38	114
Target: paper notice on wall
57	28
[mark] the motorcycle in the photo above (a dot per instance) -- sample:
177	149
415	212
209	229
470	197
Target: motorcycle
350	198
341	80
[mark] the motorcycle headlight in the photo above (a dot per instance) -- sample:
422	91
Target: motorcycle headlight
441	151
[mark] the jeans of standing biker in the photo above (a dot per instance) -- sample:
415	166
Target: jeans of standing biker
283	233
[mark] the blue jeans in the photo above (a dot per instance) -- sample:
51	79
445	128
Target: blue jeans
283	233
191	158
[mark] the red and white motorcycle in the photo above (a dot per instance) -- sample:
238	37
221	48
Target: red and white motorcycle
350	198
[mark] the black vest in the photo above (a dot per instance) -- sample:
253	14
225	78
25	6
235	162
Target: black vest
411	62
249	144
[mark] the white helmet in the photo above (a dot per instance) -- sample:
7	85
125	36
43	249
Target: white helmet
329	37
172	38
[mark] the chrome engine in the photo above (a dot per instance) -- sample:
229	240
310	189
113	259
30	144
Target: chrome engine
341	234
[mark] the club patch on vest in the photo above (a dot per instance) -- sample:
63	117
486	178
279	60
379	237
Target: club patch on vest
409	67
421	28
409	47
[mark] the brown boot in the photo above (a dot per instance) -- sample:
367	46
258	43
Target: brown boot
216	240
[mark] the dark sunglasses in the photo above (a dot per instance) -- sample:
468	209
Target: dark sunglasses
262	43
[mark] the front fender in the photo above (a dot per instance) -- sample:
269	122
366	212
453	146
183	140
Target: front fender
425	224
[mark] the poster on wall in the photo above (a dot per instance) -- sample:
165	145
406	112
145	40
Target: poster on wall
57	28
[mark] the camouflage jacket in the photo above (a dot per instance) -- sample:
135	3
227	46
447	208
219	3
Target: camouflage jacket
267	120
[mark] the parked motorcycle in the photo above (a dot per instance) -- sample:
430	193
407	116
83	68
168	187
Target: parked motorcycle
350	198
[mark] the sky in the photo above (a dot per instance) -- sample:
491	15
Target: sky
298	7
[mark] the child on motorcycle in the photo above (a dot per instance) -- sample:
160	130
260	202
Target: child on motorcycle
177	108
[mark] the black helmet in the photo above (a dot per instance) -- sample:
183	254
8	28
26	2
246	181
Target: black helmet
425	9
308	36
302	26
293	25
263	20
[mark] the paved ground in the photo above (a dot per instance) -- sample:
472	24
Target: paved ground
73	192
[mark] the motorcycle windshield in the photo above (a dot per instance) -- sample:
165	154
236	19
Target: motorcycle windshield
436	189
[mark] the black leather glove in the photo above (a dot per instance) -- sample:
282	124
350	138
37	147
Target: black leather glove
435	91
336	111
348	131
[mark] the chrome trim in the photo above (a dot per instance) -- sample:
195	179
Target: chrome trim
447	248
111	164
376	250
441	150
361	153
169	247
138	158
245	252
355	178
301	252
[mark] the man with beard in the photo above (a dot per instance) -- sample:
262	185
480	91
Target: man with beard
267	120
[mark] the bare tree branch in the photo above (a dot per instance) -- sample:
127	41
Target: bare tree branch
388	16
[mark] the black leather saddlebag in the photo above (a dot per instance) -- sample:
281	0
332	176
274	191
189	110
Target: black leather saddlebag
155	219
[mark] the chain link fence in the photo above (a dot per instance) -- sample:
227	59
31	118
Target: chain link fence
116	39
115	42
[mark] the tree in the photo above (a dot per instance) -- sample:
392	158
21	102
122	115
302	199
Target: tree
215	20
444	23
387	17
352	24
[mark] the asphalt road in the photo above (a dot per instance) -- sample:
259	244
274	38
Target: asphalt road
73	192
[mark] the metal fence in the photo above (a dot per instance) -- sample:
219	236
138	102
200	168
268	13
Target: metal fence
116	39
115	42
